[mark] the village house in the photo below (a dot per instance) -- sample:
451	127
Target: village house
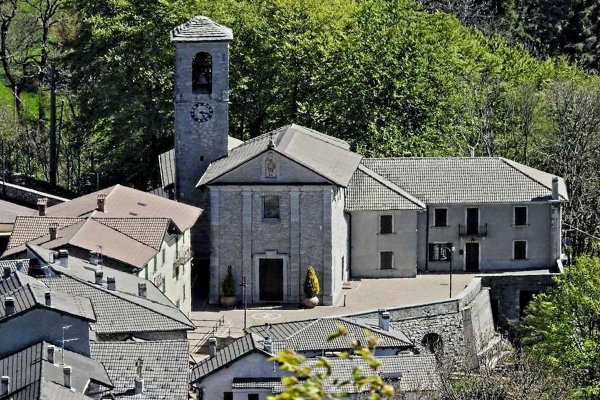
294	197
121	228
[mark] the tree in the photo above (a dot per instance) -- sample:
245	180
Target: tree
311	283
228	287
563	328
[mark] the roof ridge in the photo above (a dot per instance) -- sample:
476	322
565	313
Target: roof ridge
373	329
318	135
118	295
510	164
391	185
433	158
129	236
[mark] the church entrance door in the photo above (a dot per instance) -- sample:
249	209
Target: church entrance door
271	279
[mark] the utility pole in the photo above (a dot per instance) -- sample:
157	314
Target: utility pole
243	285
53	153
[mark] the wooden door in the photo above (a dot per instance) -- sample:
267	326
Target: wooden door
472	256
271	279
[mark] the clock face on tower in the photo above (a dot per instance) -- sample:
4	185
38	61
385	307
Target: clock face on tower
201	112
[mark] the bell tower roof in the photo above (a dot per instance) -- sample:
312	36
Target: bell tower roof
201	29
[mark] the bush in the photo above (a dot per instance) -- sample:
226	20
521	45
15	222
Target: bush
228	287
311	283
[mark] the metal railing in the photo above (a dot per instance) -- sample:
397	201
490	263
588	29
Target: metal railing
478	230
220	322
184	255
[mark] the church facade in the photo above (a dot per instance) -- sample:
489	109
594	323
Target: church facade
294	197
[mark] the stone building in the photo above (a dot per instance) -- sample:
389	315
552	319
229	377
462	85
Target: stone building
293	198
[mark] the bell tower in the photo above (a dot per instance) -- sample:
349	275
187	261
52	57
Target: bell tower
201	111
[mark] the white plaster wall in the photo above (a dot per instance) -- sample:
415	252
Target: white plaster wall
367	242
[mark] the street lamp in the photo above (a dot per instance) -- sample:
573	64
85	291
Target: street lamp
448	255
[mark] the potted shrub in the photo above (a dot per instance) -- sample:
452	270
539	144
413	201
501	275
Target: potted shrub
228	289
311	289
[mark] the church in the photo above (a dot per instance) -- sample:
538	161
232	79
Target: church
294	197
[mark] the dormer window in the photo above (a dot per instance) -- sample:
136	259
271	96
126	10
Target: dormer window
202	74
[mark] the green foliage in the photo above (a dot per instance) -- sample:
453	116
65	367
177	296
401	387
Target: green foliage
563	327
311	283
307	382
228	287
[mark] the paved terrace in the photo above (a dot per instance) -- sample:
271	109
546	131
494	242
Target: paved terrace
360	295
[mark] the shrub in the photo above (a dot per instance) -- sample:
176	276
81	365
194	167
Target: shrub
311	283
228	287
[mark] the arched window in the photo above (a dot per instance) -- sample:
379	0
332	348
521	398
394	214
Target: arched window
202	74
433	342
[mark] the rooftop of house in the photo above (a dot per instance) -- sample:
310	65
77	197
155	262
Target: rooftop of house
164	364
33	376
407	373
132	241
8	266
236	350
312	335
202	29
9	211
28	295
466	179
325	155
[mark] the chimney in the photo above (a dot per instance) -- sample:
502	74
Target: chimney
111	283
94	257
51	350
53	227
384	320
268	344
101	202
142	289
99	276
139	386
48	299
5	385
42	204
555	188
9	305
63	258
67	376
212	346
20	265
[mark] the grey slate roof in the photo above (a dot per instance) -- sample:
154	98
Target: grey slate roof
17	280
418	373
466	180
202	29
370	191
313	336
118	312
234	351
324	155
165	367
14	265
31	296
32	377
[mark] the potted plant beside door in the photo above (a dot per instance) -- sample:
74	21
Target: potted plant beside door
228	289
311	289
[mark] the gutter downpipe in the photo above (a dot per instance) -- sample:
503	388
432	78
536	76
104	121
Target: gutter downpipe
349	222
427	239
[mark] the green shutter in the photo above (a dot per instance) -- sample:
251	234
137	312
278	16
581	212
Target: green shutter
146	271
155	262
164	286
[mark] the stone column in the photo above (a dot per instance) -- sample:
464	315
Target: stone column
326	276
247	242
294	278
215	270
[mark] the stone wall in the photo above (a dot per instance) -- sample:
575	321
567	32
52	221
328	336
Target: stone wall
464	323
506	291
26	196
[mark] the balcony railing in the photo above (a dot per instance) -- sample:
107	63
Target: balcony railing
184	255
478	230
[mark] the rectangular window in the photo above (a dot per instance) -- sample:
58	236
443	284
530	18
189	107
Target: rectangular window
520	250
176	272
440	251
155	262
271	207
386	260
164	285
177	248
146	268
178	303
164	256
520	216
440	217
386	224
252	396
183	292
227	395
